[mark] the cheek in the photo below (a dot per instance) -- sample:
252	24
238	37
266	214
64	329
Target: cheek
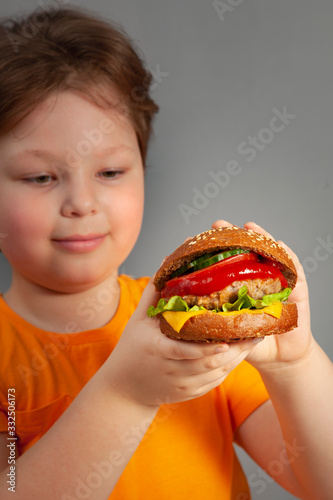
134	205
127	211
23	224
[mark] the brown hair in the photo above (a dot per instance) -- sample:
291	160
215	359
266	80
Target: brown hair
69	49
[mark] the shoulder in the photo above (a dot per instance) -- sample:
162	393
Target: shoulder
131	290
133	285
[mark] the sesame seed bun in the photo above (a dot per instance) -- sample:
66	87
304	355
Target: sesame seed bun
221	239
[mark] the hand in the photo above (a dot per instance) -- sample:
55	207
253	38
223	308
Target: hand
151	369
291	346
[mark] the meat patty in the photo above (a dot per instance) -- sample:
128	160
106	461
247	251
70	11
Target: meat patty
256	289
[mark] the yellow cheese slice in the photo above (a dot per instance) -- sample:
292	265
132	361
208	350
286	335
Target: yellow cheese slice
177	319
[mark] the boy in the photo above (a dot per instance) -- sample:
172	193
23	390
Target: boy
97	402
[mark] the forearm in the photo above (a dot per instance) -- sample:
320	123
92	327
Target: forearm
302	396
84	446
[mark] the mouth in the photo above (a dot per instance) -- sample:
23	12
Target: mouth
80	243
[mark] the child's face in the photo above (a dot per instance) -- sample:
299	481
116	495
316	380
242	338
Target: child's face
70	170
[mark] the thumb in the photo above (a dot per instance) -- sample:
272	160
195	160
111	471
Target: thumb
149	297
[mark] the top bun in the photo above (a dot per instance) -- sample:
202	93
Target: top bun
221	239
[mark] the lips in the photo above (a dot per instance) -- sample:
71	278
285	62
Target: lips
80	243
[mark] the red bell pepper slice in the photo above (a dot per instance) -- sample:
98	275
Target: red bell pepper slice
216	277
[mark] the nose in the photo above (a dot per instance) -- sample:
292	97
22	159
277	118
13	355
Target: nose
79	200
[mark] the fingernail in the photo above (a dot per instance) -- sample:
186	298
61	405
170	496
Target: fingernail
221	348
257	340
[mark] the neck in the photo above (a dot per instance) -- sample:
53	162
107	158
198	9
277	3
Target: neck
64	312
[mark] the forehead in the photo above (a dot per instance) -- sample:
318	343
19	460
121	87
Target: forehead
68	120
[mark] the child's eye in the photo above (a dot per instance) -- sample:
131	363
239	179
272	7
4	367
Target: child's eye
40	179
110	174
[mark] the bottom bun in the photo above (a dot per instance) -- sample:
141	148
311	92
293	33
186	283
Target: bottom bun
212	327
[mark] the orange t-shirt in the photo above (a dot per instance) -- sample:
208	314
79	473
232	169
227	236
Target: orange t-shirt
188	448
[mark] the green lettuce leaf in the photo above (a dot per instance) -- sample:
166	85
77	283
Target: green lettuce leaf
176	303
244	301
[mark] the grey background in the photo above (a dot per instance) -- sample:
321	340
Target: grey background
218	77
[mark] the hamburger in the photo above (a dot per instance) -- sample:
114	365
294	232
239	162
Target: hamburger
225	285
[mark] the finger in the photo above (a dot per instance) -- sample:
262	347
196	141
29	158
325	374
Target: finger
200	383
220	360
221	223
258	229
184	350
236	351
165	258
299	268
203	357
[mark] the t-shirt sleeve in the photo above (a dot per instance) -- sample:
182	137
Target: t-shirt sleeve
245	392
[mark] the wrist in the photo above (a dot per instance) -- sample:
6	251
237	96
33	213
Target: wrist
287	372
290	363
125	397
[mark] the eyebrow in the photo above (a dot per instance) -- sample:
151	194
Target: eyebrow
47	155
114	149
39	153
